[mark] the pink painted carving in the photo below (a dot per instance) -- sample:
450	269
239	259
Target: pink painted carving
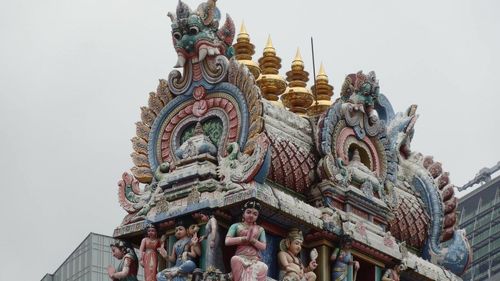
199	108
339	148
290	166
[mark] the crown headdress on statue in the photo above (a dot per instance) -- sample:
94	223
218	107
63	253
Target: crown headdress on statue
207	12
360	82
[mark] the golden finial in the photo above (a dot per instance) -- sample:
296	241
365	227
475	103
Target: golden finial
269	46
322	73
297	97
243	35
323	92
298	63
271	84
244	51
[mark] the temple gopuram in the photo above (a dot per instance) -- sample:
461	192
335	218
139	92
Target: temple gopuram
241	173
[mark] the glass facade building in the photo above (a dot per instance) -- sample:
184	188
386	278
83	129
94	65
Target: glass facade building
88	262
480	217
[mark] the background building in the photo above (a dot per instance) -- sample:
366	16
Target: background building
88	262
480	217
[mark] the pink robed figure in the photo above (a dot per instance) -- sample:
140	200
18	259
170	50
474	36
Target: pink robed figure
250	240
149	253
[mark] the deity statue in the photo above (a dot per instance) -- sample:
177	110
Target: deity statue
250	239
392	274
182	254
213	256
342	258
291	267
128	267
149	253
193	245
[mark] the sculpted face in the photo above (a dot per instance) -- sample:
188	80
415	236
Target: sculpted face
250	215
190	34
152	232
196	34
193	229
295	246
117	252
180	232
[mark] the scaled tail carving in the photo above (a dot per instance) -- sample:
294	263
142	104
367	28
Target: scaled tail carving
428	179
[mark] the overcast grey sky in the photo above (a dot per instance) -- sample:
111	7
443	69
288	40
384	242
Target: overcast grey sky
75	72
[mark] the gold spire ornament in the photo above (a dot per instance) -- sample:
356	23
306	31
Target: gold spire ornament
271	84
323	93
244	51
297	97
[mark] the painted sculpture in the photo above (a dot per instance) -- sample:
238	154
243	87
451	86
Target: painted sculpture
341	259
213	256
249	239
222	131
184	251
128	267
149	253
291	267
393	273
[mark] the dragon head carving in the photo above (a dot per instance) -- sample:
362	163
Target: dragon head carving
362	89
196	34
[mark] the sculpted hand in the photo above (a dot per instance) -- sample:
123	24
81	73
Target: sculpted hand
356	265
163	252
250	233
212	243
194	240
111	271
313	264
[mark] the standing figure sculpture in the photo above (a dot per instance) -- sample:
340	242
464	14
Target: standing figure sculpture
213	256
128	267
184	263
342	258
149	253
392	274
291	267
250	239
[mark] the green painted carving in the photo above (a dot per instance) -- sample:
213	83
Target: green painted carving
212	128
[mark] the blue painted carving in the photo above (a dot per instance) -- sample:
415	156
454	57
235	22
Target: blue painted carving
384	108
455	257
269	255
261	176
226	88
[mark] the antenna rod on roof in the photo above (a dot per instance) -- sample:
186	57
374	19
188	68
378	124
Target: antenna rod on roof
314	72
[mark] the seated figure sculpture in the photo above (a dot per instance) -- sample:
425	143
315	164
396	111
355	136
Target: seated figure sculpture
250	239
291	267
184	263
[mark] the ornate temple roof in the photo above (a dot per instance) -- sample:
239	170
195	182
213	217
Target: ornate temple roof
228	129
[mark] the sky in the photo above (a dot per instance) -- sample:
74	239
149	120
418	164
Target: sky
74	74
